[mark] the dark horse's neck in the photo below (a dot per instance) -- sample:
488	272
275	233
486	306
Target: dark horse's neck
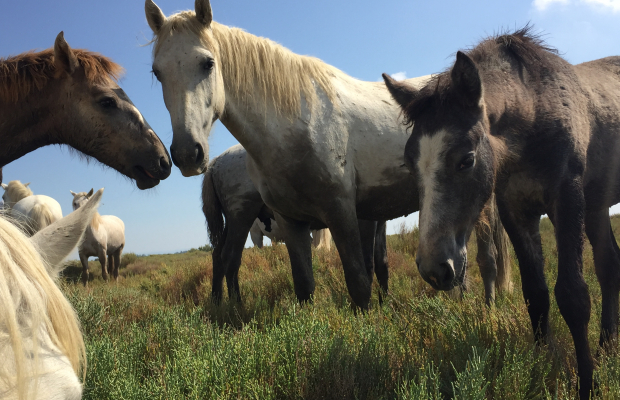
26	125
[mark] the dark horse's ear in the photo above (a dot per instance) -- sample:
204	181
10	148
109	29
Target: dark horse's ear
154	16
64	59
203	12
402	92
466	80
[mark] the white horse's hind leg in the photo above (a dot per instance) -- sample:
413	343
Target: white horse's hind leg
256	234
103	261
486	262
84	261
117	262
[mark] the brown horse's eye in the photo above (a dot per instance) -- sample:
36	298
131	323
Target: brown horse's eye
107	102
467	162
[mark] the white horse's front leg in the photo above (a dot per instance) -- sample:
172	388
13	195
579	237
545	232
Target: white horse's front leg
84	261
103	260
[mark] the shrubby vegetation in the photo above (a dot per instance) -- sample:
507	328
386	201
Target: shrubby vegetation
155	334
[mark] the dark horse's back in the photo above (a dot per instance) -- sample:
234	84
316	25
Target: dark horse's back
600	80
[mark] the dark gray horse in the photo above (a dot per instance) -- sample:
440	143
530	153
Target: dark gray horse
228	191
514	118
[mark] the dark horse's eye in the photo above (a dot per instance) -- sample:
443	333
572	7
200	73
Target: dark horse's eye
107	102
467	162
208	64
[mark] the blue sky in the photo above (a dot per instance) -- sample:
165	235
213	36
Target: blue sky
362	38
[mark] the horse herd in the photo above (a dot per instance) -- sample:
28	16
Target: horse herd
509	133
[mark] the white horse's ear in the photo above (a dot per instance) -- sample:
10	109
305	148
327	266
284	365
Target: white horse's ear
89	193
401	92
26	184
56	241
203	12
154	16
73	193
64	59
5	186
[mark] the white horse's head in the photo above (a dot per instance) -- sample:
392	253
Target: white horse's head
186	62
79	199
14	192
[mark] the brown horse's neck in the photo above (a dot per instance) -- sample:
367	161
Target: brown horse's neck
29	123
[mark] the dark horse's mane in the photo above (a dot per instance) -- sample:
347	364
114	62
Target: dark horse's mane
524	46
22	74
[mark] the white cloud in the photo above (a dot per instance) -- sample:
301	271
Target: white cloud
614	5
542	5
399	76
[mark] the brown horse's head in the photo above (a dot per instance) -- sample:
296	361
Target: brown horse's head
450	153
99	120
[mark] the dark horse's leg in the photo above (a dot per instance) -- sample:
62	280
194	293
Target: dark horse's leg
228	260
341	219
571	290
524	232
368	230
299	246
381	258
607	264
486	261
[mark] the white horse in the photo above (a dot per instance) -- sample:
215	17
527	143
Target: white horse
33	212
321	238
104	238
41	345
323	147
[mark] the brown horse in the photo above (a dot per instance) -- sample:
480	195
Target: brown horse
65	96
513	117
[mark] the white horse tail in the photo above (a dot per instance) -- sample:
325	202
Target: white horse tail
40	217
503	281
212	209
322	239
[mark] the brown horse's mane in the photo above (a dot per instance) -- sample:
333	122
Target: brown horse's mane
28	72
524	46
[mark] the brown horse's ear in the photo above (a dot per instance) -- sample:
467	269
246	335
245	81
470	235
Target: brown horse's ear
89	193
64	59
203	12
401	92
154	16
466	80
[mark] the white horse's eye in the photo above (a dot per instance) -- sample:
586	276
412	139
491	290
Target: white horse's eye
208	64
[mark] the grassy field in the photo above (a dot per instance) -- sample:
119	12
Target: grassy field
156	335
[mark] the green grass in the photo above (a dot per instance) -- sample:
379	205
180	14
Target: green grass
156	335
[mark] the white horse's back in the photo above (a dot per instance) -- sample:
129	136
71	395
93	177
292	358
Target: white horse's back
115	230
36	212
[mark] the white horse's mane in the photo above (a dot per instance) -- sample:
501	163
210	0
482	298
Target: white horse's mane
249	62
33	311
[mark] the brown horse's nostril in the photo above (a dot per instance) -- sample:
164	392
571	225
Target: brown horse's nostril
164	165
200	154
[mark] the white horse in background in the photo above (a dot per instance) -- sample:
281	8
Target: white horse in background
41	345
104	238
321	238
33	212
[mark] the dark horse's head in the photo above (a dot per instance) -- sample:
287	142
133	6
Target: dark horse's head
450	153
75	98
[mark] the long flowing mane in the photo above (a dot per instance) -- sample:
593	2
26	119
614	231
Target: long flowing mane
28	72
253	65
524	47
34	312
